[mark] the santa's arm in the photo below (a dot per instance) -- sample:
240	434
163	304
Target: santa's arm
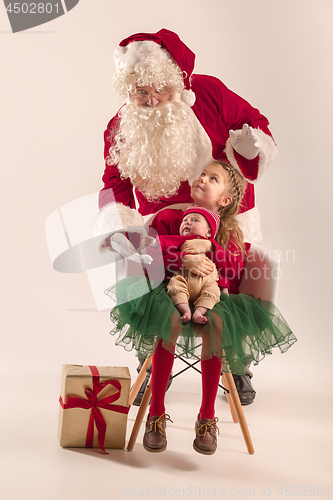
250	149
115	188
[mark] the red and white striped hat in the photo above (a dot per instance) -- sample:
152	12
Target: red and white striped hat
213	218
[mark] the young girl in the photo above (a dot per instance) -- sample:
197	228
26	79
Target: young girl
238	329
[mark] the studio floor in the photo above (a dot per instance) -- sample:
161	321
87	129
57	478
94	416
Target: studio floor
290	424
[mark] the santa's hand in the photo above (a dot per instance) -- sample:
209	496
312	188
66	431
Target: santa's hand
246	144
147	241
120	244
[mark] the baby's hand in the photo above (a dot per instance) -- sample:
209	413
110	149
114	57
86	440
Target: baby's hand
196	246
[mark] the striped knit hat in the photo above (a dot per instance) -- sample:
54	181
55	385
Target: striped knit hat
213	218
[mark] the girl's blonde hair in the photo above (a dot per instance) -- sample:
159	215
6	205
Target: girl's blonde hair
229	228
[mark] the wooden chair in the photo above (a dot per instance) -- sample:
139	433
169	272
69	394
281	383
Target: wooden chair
260	279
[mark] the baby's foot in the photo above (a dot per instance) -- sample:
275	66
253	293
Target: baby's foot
186	317
198	316
185	310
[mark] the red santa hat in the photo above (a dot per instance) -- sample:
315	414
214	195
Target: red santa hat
170	41
144	48
213	218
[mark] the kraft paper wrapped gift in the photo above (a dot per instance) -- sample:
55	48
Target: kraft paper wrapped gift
93	406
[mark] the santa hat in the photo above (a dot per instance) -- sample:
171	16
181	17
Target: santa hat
212	217
144	48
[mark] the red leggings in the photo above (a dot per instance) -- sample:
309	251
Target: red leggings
162	363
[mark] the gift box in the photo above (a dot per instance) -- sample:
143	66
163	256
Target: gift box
94	402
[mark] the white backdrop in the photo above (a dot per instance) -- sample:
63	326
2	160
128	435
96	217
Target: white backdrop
56	100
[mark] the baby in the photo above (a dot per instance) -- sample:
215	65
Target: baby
187	288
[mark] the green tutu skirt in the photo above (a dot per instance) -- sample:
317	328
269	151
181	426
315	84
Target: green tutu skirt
239	329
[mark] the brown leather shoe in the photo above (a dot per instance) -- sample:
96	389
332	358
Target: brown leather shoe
154	439
206	431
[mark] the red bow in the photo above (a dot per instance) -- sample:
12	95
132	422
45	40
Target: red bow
94	403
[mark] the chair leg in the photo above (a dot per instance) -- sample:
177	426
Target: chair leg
139	418
230	385
229	399
139	380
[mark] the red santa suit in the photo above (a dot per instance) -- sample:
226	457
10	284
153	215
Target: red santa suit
218	110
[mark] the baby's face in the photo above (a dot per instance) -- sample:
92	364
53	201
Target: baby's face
195	224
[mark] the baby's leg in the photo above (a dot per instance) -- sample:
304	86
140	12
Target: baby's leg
185	311
177	289
209	296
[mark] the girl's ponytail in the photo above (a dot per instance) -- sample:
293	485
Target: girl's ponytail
229	229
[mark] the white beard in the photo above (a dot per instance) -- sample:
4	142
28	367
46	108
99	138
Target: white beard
159	147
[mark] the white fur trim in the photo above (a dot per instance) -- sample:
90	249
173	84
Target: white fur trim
188	97
249	222
267	153
118	217
146	53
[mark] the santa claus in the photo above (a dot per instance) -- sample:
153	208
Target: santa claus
172	123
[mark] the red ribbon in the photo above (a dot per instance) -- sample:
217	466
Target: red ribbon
94	404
